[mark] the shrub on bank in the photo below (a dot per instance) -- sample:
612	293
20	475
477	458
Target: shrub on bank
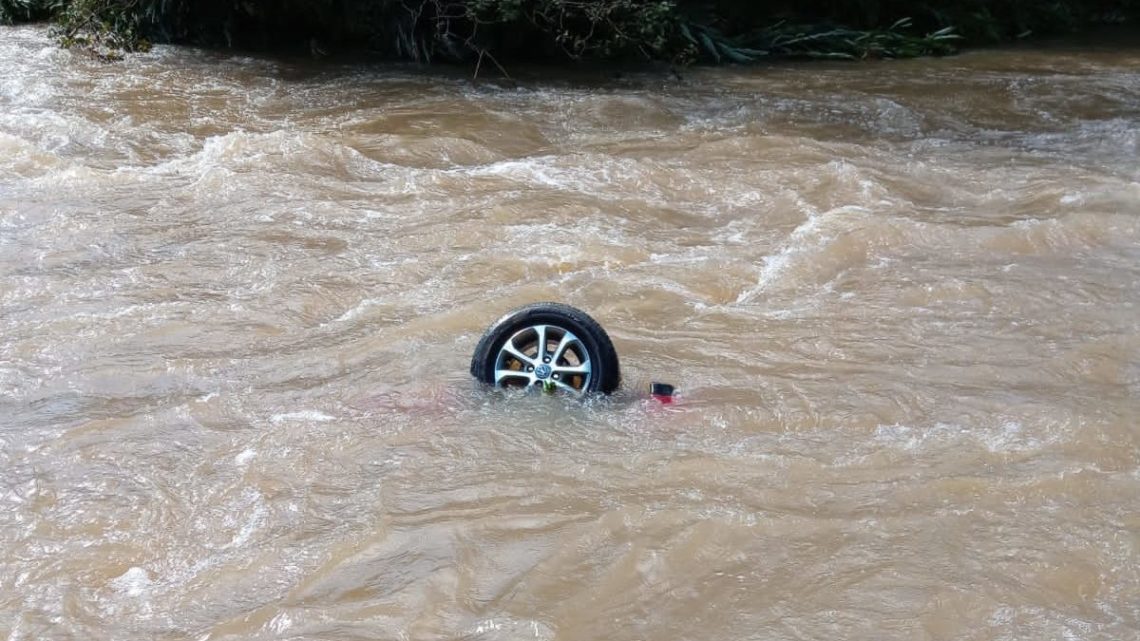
28	10
487	30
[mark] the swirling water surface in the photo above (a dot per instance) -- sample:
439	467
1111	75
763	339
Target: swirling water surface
238	297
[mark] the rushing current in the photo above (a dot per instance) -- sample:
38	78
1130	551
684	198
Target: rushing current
239	295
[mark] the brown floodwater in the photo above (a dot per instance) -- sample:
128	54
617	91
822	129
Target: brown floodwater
238	297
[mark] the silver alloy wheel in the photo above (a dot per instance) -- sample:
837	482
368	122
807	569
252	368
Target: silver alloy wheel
550	345
544	355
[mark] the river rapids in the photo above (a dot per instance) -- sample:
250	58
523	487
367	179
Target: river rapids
239	295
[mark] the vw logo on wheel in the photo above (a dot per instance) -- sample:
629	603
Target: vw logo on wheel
542	371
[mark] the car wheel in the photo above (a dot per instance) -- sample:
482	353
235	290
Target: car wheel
547	345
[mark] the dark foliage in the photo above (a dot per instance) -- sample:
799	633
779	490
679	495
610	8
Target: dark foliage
28	10
487	30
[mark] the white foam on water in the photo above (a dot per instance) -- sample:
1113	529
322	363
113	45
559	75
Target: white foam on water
510	629
357	310
1009	436
292	151
807	240
134	582
253	504
303	415
280	623
24	158
543	171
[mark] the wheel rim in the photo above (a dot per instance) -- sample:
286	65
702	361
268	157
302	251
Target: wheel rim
544	355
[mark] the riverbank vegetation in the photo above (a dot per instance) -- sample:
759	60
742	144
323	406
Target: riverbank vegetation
487	31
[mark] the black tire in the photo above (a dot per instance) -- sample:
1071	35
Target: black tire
587	347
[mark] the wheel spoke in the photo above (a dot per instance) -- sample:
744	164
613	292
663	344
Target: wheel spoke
500	374
584	368
510	348
567	340
568	388
541	354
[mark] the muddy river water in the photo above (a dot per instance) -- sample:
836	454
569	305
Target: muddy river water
238	297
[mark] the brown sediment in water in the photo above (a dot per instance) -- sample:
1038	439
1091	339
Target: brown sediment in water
238	296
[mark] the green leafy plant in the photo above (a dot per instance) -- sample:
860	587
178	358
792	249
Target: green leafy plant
12	11
813	41
107	29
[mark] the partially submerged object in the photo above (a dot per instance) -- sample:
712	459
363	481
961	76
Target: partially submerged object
662	392
552	347
547	345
